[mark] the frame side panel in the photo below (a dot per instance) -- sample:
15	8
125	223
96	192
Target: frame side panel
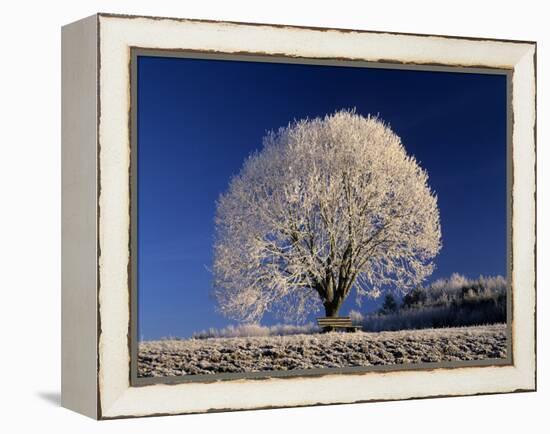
79	217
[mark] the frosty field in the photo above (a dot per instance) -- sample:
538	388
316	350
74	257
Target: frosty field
328	350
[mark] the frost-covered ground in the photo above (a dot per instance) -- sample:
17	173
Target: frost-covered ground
321	350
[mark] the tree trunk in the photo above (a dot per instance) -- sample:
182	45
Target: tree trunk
332	308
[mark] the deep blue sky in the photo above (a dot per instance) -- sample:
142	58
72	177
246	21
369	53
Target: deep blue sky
199	119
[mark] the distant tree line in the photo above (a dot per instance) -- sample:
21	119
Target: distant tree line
454	302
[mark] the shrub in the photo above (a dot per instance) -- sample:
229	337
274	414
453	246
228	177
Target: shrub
389	305
255	330
453	302
356	316
417	297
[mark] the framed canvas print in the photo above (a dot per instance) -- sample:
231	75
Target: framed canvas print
347	216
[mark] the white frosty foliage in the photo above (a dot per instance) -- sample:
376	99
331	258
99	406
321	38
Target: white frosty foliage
356	316
250	330
327	205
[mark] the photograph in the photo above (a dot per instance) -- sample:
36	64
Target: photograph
294	217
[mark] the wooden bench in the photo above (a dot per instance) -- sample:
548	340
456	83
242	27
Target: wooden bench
328	324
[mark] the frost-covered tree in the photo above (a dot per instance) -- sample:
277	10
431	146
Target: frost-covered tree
328	205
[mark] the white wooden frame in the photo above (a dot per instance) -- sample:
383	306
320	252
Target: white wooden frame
96	215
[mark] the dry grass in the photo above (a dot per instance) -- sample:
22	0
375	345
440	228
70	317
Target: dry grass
309	351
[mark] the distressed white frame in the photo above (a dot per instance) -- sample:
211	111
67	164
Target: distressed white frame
114	395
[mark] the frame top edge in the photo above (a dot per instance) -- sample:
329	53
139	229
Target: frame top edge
108	15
